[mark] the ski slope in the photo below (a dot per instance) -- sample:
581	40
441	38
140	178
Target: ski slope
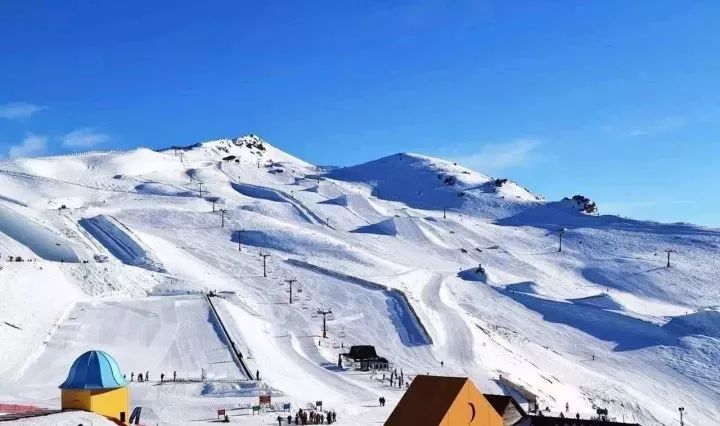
391	246
117	240
39	239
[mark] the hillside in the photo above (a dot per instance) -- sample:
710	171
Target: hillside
118	249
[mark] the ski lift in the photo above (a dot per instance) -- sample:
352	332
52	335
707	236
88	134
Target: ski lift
307	297
330	316
299	290
342	332
313	315
304	306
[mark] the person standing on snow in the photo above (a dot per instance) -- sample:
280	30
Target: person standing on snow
162	377
132	376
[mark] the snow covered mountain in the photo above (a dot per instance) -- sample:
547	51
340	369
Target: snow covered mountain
117	249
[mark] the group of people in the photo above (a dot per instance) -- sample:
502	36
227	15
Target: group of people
146	377
309	418
397	379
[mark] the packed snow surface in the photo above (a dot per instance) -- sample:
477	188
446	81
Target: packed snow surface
443	269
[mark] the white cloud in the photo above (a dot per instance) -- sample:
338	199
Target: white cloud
661	126
18	110
30	146
497	157
84	138
657	127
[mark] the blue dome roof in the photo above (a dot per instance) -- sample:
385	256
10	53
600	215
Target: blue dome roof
94	370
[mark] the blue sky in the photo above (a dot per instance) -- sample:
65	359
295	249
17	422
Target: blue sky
615	100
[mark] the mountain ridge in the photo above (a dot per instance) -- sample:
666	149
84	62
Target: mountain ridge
602	323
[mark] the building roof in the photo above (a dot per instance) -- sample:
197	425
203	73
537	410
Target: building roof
499	402
94	370
362	352
417	408
506	407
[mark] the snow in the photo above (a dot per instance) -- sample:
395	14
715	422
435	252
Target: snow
391	246
177	334
118	241
40	240
65	419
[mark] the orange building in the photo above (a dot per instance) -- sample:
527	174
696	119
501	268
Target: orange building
444	401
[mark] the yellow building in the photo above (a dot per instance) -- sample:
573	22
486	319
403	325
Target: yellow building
444	401
95	384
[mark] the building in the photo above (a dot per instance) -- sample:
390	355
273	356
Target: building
506	406
538	420
444	401
96	384
364	357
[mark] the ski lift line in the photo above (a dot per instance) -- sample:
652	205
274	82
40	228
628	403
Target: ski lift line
82	185
369	285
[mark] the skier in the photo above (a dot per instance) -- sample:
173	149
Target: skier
289	419
174	375
140	377
567	407
577	416
162	377
257	375
132	376
147	376
442	363
279	419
